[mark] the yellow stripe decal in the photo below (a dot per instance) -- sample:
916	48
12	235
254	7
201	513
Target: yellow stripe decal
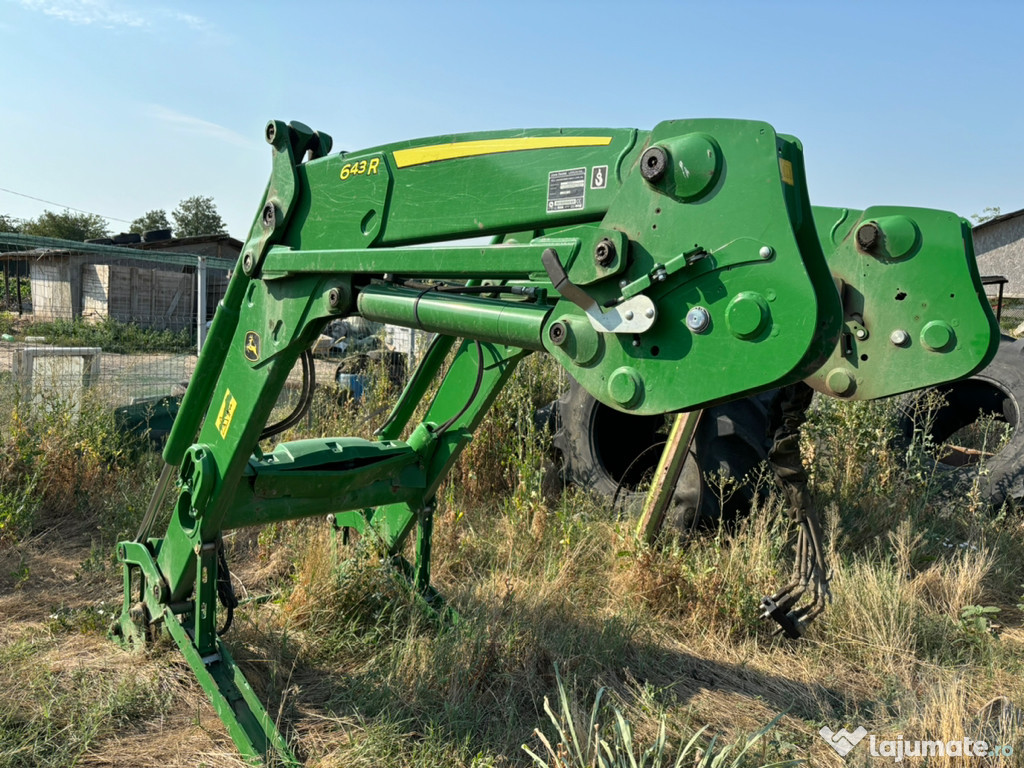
420	155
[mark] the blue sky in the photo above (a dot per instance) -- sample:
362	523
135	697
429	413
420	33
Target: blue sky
119	107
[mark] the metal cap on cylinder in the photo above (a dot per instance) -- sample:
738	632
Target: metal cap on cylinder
625	386
841	382
695	165
747	315
936	335
653	164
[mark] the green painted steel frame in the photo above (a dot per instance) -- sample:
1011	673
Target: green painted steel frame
250	726
725	227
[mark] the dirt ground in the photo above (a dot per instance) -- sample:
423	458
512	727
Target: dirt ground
44	580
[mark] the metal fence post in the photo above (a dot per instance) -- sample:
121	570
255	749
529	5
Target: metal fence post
200	303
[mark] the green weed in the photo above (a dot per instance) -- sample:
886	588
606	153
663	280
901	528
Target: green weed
112	335
608	741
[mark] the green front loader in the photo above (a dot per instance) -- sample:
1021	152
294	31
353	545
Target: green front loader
666	270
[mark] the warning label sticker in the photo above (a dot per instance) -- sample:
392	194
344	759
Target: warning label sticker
566	190
226	414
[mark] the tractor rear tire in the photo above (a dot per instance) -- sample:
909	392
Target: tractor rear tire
996	391
613	454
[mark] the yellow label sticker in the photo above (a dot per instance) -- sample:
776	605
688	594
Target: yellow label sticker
786	169
226	414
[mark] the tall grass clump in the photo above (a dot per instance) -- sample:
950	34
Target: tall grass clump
923	579
607	740
66	463
713	580
508	456
538	578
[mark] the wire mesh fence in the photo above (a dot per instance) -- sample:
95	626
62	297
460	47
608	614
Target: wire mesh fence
1011	318
123	322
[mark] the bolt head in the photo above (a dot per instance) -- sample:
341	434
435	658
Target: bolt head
604	252
765	252
625	386
861	334
899	337
269	215
747	315
840	382
937	336
698	319
629	314
649	314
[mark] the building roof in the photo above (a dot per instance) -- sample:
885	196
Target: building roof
18	247
1001	217
178	242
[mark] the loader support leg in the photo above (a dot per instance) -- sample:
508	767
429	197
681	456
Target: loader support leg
204	618
248	723
476	377
424	534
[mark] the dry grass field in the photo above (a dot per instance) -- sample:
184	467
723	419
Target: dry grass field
922	639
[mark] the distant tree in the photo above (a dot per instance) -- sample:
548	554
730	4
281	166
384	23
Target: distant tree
197	216
9	223
988	214
149	221
67	225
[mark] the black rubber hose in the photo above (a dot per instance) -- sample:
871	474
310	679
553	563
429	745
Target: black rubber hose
305	399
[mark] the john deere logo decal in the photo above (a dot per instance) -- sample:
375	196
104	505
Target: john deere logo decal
252	346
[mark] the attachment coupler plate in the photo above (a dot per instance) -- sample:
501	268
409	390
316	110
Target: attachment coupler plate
914	310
